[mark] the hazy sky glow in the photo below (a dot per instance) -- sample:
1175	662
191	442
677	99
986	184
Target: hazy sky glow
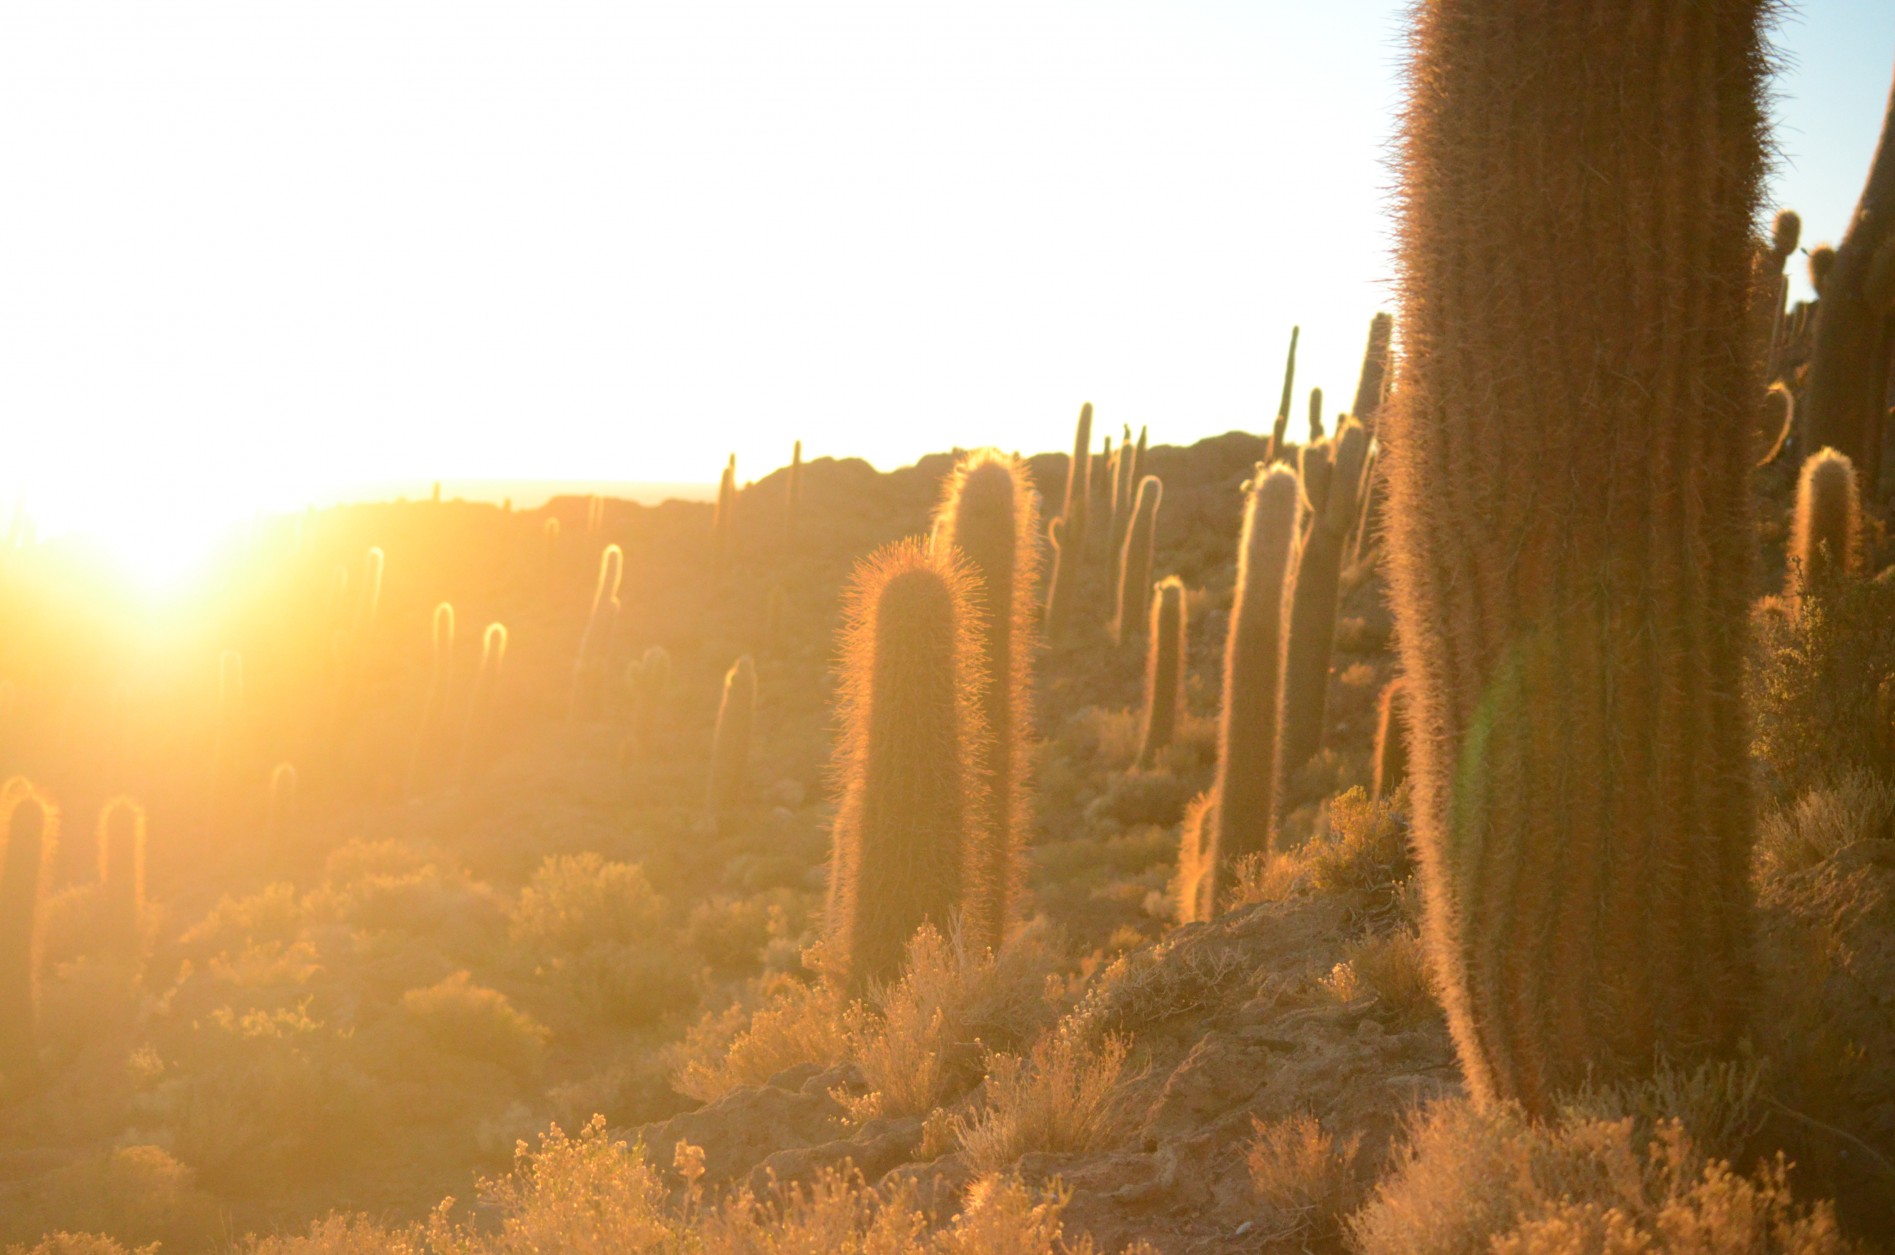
267	252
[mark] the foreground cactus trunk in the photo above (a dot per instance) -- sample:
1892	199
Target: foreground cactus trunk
1569	547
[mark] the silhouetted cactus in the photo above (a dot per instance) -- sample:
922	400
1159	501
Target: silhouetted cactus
1778	422
121	853
910	810
282	804
1846	399
1769	293
1826	534
1164	672
793	496
1391	745
1243	818
650	678
730	744
434	706
595	642
30	823
1279	433
549	538
1135	562
990	516
1371	387
1567	532
724	522
480	705
1070	539
1331	478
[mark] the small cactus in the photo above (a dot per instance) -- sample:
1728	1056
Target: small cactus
595	641
650	679
1372	385
1192	885
30	824
1315	415
1164	672
1244	818
1331	478
434	706
121	851
1278	448
480	706
793	496
730	745
1826	534
724	522
1135	557
1070	541
990	516
1391	743
909	814
595	514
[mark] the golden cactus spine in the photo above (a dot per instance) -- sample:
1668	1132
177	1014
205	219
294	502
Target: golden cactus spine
909	816
434	705
1164	672
29	825
1391	747
1566	522
1069	540
475	737
1243	809
1331	479
121	853
990	517
1826	533
595	642
730	744
1135	557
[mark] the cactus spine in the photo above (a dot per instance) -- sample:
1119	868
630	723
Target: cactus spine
1391	749
990	517
595	642
1826	534
121	842
1164	671
1243	815
1135	557
1069	540
1566	501
440	675
1332	478
30	824
730	744
909	815
480	705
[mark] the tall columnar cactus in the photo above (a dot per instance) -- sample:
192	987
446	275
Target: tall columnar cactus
650	681
1391	746
1826	534
30	824
1769	291
1192	888
595	642
1115	490
1164	672
793	496
1566	520
1372	385
1243	814
1070	539
549	539
1279	434
910	813
724	522
480	704
991	517
1135	562
121	853
1854	347
1315	415
1136	469
730	744
1331	479
434	707
595	514
282	805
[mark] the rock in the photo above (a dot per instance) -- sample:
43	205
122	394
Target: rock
745	1127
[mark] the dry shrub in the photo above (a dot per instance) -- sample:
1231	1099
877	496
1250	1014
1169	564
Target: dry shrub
274	913
576	901
1062	1097
83	1244
1822	690
1391	968
797	1023
1301	1172
470	1020
137	1193
1361	845
340	1235
1588	1182
1821	823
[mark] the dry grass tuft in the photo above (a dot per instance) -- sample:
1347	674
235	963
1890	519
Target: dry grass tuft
1299	1170
1062	1097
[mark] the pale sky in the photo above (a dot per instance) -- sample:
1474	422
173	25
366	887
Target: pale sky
268	251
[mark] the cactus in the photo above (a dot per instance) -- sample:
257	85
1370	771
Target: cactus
1194	837
1391	747
549	538
1372	385
282	806
793	496
1135	562
724	521
1846	401
1331	479
1566	526
650	680
730	745
774	610
1164	672
1826	534
440	676
991	517
30	824
595	514
1279	434
909	816
1244	818
1769	293
595	642
1070	540
434	494
1136	469
121	853
480	705
1315	415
